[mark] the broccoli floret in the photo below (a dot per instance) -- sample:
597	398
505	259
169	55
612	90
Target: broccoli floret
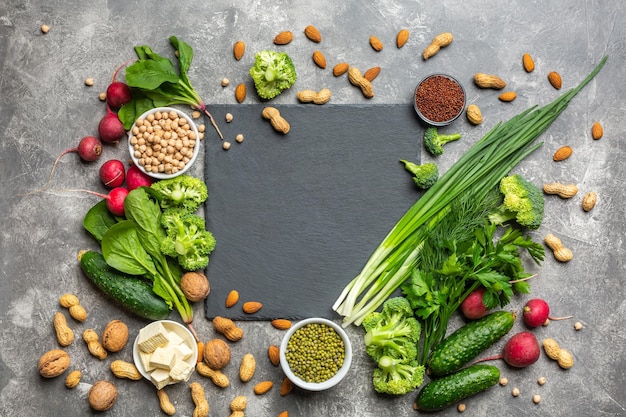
433	141
395	377
272	73
187	240
523	202
183	193
392	332
425	175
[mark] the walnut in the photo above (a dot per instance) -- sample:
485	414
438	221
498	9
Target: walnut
53	363
195	286
216	353
115	336
102	395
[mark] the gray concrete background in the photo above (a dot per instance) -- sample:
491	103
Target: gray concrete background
45	108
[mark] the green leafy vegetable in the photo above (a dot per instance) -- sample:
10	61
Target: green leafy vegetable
156	83
187	240
183	193
272	73
98	220
434	141
483	260
474	176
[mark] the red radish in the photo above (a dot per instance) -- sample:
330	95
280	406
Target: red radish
136	178
112	173
118	93
536	312
110	128
89	149
473	307
114	200
520	351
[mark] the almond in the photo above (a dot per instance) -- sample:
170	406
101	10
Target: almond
555	79
371	73
274	354
286	386
312	34
376	43
319	59
281	324
240	93
596	131
528	63
232	298
262	387
340	69
508	96
238	49
283	38
562	153
402	38
251	307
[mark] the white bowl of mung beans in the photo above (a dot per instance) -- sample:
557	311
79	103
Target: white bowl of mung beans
164	142
315	354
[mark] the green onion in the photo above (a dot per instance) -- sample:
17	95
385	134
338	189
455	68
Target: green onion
474	175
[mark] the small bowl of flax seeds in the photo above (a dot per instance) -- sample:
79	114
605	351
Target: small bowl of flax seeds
439	99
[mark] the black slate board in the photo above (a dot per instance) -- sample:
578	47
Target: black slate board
296	216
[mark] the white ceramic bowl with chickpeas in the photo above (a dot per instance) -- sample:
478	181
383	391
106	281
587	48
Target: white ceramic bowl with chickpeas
164	142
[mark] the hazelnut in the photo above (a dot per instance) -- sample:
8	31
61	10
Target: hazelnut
195	286
53	363
115	336
102	395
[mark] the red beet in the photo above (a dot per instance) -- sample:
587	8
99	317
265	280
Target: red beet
112	173
118	94
521	350
473	307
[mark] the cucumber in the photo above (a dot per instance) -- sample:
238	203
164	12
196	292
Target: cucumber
468	341
441	393
128	291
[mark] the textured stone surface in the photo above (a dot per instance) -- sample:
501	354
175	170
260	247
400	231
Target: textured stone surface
45	108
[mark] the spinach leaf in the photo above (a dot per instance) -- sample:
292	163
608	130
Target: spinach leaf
99	220
150	74
185	55
122	250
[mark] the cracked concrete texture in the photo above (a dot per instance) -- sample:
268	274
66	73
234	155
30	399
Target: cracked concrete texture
45	108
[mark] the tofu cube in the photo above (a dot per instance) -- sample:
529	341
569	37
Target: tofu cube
163	358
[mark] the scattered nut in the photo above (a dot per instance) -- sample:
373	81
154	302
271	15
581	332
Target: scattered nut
508	96
528	63
274	354
312	34
562	153
102	395
310	96
73	379
319	59
53	363
228	118
440	41
542	380
239	138
239	48
78	313
551	348
216	354
233	296
65	335
280	125
474	114
199	399
164	402
376	44
68	300
239	403
281	324
578	326
225	82
247	367
226	145
286	386
216	376
597	131
562	190
536	398
102	96
115	336
45	29
561	253
489	81
195	286
589	201
515	392
565	359
356	78
555	80
461	408
263	387
125	370
89	82
196	114
240	93
228	328
93	344
283	38
504	381
371	74
340	69
402	37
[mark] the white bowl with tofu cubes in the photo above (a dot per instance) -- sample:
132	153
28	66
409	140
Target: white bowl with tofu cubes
165	352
